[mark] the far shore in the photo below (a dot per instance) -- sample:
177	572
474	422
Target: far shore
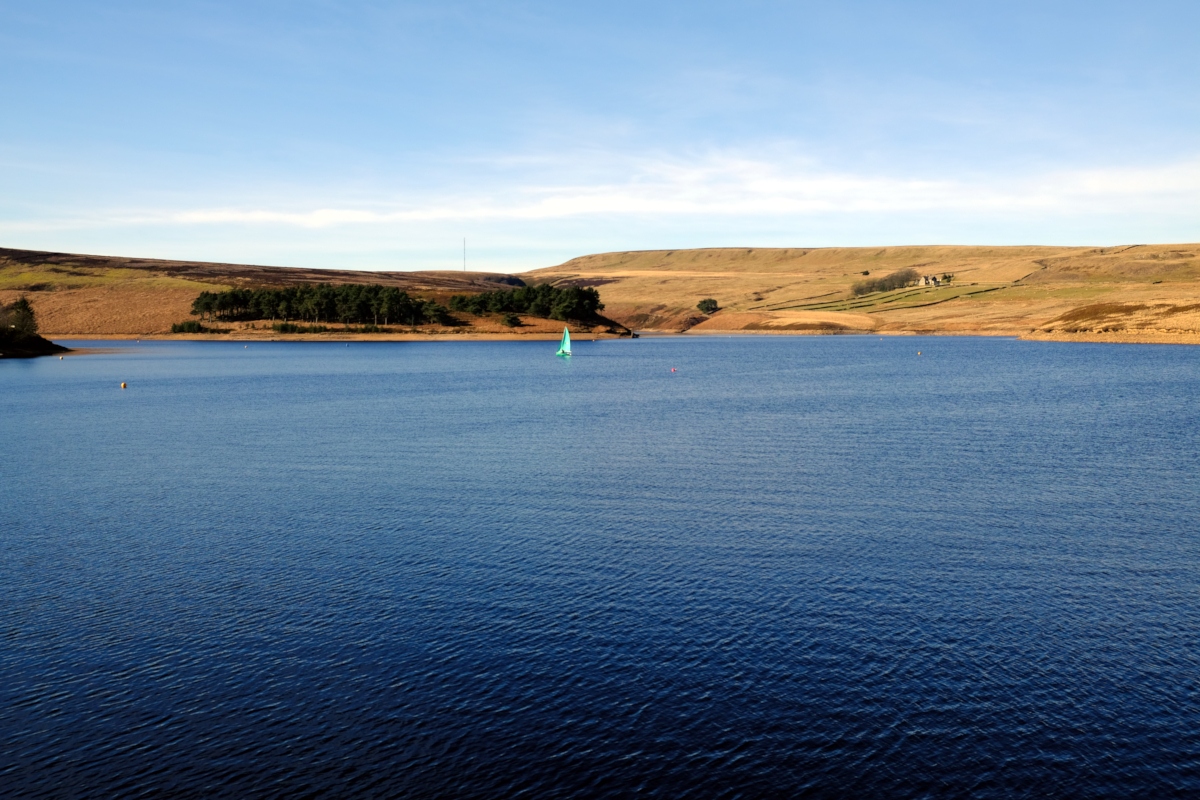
1114	337
1111	337
270	336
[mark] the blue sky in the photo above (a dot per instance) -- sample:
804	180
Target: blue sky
378	135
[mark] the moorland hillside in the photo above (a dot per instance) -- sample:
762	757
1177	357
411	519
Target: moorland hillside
1128	292
1035	291
109	295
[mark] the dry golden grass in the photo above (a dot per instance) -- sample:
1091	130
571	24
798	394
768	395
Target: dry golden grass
127	310
995	290
1146	291
85	295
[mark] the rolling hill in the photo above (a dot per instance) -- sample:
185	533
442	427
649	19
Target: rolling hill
1128	293
1147	290
107	295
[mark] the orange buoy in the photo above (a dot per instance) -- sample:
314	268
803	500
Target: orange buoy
918	352
122	386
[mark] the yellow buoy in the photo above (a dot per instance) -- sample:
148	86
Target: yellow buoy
122	386
60	358
918	352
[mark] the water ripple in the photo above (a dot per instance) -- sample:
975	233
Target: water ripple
802	566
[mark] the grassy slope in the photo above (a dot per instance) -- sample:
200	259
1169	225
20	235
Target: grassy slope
996	289
76	294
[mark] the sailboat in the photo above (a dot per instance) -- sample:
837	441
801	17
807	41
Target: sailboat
564	347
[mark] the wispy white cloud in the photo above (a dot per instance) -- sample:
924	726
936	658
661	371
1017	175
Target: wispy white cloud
720	186
744	187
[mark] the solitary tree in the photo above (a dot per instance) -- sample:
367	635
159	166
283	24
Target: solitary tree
707	306
22	319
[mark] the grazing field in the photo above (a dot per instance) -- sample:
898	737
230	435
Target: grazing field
1129	293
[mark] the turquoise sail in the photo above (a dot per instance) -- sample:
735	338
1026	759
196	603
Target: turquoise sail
564	347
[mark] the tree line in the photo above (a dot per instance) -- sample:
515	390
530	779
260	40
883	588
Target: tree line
897	280
544	301
358	304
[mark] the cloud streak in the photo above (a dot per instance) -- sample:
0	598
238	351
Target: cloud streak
724	187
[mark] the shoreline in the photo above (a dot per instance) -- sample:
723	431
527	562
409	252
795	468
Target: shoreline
1186	337
244	336
31	346
1108	337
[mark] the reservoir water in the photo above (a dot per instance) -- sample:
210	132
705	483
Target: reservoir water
805	566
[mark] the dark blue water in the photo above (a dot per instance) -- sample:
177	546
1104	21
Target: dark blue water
813	566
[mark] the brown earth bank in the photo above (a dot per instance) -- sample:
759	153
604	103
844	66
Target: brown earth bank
420	336
468	328
1144	293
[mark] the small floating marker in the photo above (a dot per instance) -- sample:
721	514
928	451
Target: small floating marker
918	352
122	386
672	369
60	358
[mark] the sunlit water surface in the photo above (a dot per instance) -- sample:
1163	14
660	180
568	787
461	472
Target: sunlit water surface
817	566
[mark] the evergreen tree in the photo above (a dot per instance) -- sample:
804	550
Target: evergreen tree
18	321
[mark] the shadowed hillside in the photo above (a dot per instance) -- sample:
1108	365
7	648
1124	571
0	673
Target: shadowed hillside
86	294
31	270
